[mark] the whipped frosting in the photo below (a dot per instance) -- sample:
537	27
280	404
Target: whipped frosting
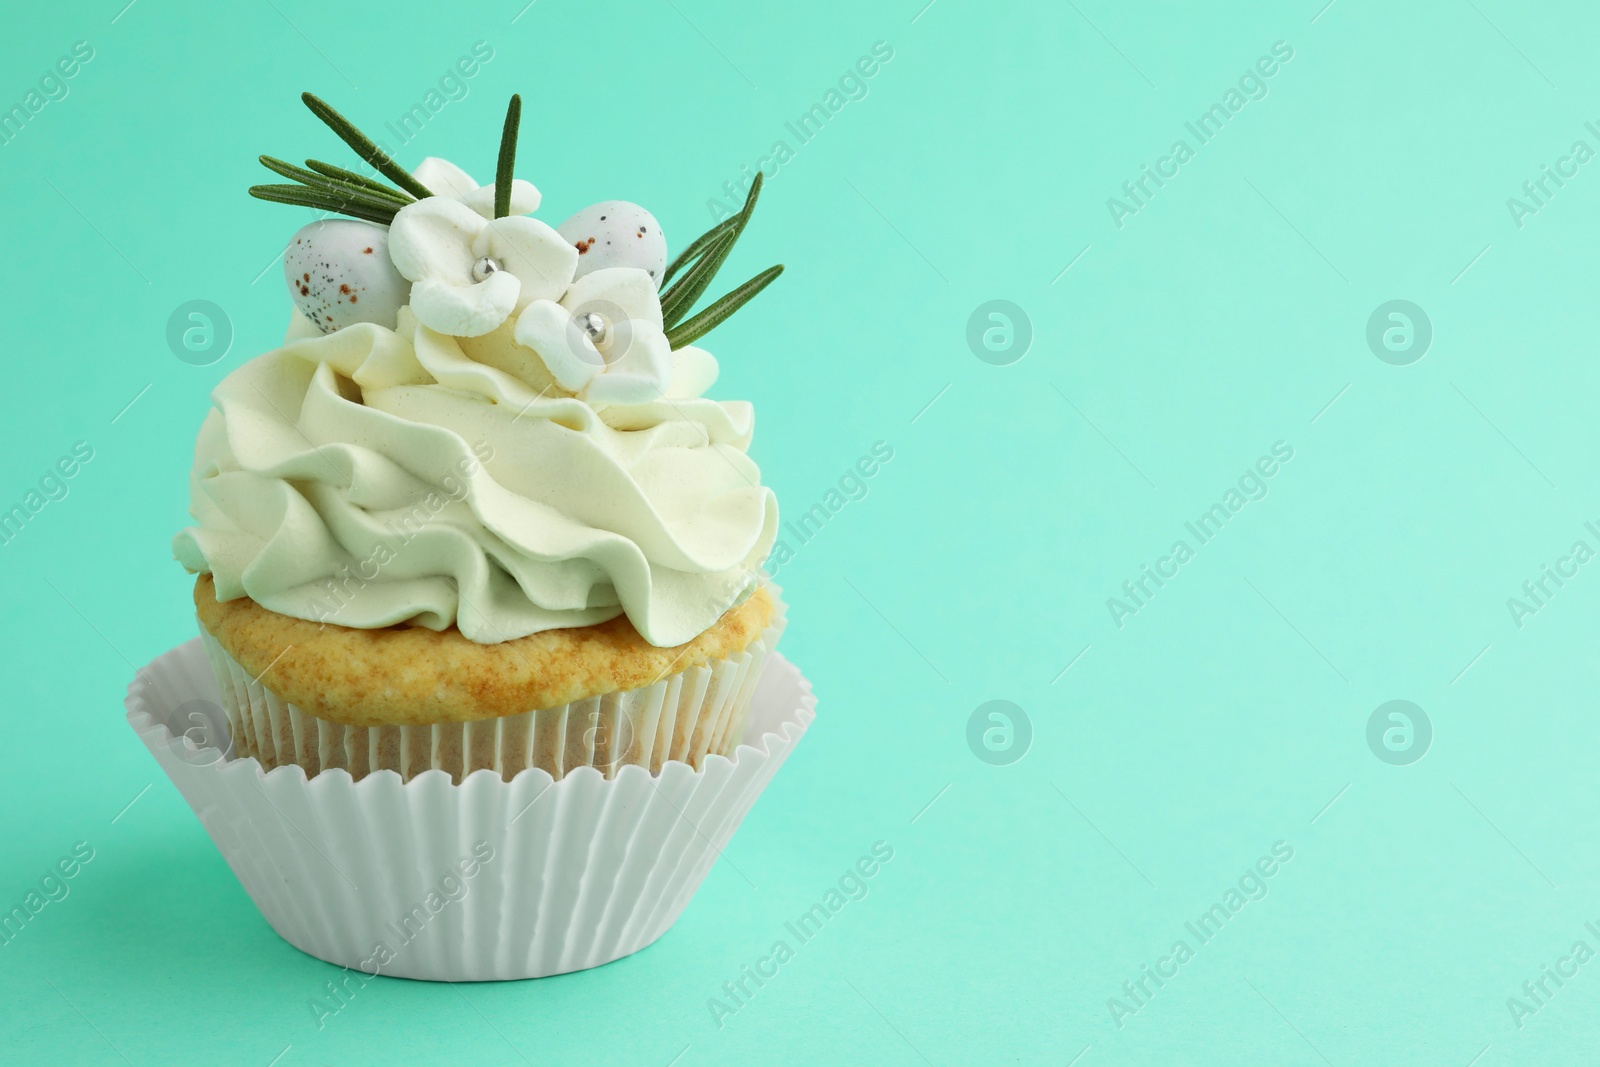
373	477
515	450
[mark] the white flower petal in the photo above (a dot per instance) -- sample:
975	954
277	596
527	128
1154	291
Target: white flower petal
639	372
616	294
433	238
570	356
694	370
640	348
465	310
524	199
532	251
444	178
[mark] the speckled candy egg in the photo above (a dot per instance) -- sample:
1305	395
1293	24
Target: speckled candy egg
615	233
339	274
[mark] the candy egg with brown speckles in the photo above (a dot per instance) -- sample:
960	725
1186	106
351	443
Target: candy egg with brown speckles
615	233
339	274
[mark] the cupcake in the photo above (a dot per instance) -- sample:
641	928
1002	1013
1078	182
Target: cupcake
486	676
477	512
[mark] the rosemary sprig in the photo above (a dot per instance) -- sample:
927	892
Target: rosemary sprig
697	247
508	157
331	171
356	190
301	196
676	301
327	194
329	188
339	201
712	317
289	170
362	145
681	295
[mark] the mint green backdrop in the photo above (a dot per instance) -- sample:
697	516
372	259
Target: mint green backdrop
1178	336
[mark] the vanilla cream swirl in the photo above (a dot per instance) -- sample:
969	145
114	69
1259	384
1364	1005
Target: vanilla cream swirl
370	478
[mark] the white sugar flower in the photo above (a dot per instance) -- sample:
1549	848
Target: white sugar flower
603	339
447	179
470	273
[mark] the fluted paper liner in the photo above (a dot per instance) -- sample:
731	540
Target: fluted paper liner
483	880
685	716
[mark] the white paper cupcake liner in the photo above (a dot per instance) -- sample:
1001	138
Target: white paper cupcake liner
483	880
685	716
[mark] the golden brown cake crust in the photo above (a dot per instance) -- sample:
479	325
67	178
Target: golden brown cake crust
410	676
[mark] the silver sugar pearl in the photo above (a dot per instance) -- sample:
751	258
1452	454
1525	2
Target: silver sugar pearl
483	268
594	326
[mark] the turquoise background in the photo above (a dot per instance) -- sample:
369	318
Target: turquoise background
1229	313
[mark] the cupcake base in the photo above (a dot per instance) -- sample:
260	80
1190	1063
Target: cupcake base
484	880
685	716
